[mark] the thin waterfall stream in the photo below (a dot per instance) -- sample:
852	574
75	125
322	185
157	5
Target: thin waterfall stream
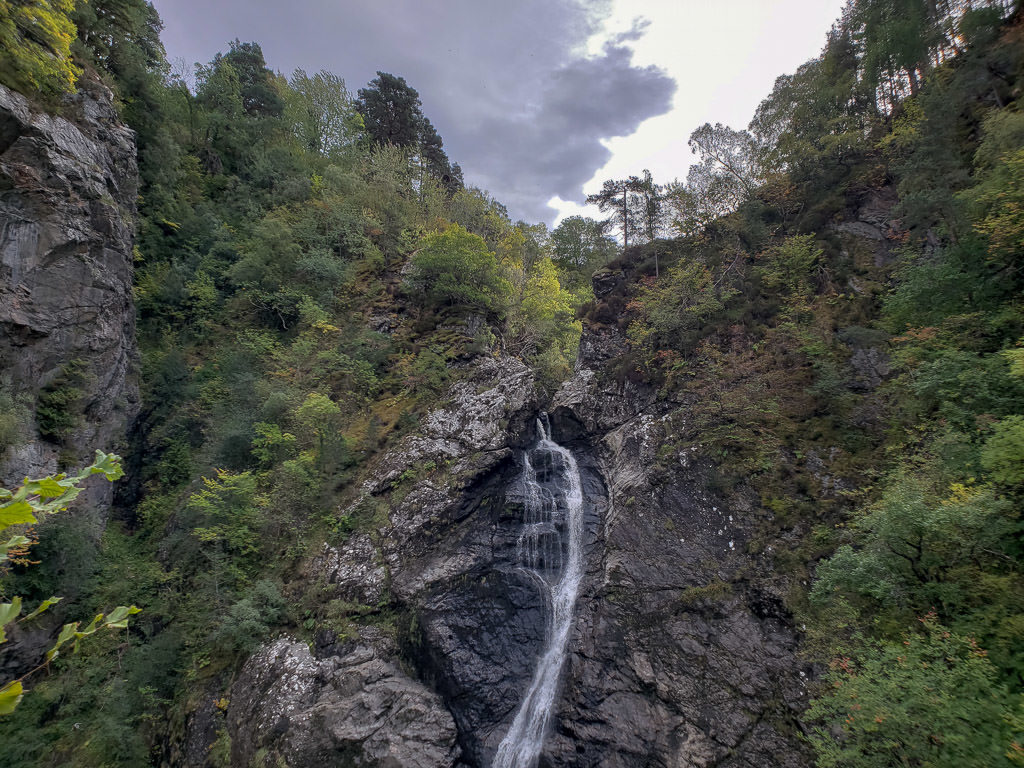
550	550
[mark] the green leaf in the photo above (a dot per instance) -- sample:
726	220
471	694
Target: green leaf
50	601
60	503
93	626
108	464
11	543
8	613
49	487
10	695
118	618
66	633
16	513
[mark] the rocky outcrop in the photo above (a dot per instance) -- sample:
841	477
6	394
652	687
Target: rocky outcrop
682	653
68	188
348	706
435	544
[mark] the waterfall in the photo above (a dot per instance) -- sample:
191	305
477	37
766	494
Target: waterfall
550	550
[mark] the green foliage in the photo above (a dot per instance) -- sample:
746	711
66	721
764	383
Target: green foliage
391	113
580	246
725	177
15	418
635	204
790	266
1003	452
281	220
227	515
454	268
931	700
271	445
914	549
877	404
675	310
35	46
391	110
426	371
248	620
59	405
271	235
257	86
27	505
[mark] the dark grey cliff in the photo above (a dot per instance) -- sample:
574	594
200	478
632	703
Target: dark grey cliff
684	654
681	654
68	188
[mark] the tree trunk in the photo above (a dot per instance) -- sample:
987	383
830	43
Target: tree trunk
625	217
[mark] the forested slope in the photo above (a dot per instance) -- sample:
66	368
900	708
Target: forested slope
834	330
847	342
310	275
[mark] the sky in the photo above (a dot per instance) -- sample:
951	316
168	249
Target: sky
539	101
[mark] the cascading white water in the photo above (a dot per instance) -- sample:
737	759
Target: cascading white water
550	550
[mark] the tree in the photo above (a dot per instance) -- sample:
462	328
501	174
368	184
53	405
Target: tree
900	40
725	152
790	265
26	506
819	112
122	36
320	416
649	200
915	551
261	96
322	112
226	517
931	700
219	91
1003	454
35	46
619	197
455	268
675	309
432	155
391	110
727	174
580	246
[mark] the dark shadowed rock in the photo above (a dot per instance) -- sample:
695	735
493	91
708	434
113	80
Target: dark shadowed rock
605	281
68	190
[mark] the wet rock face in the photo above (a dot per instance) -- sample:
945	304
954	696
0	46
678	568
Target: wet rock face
482	632
68	188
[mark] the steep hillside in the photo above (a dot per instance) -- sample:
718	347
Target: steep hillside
409	481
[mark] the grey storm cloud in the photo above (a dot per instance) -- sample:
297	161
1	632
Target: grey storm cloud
508	85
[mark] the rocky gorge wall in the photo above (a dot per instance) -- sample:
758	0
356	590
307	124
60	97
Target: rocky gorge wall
681	654
68	188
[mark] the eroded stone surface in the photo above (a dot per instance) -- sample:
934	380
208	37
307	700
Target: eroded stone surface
68	188
354	707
